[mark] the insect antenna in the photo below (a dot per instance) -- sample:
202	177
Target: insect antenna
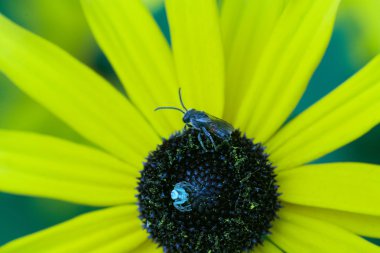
180	99
170	108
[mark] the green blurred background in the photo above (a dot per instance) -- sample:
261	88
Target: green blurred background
355	41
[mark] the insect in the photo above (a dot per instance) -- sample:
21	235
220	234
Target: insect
180	195
203	122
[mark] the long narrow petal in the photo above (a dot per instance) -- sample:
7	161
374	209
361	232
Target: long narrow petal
85	233
142	59
345	114
231	11
149	247
247	27
73	92
198	53
297	233
361	224
43	166
290	57
352	187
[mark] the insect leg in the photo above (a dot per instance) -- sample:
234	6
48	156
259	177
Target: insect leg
182	208
209	136
201	142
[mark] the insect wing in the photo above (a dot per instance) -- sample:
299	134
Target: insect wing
220	127
202	117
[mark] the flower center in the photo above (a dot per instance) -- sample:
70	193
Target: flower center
221	199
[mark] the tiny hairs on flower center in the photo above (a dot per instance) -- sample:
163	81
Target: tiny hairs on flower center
209	197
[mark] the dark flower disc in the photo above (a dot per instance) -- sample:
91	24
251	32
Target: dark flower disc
214	200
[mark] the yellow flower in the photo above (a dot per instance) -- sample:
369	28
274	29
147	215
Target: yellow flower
248	64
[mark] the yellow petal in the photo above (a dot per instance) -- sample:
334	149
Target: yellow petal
345	114
361	224
85	233
231	11
297	233
267	247
198	53
352	187
247	27
148	247
140	55
288	61
122	243
37	165
73	92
